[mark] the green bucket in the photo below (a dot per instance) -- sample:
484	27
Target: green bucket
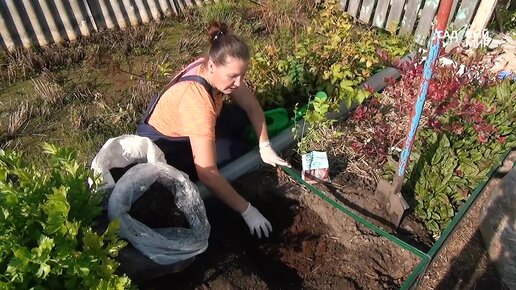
277	120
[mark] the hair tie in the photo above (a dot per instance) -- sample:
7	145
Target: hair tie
217	35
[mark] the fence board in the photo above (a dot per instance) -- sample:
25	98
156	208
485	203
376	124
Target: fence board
409	18
475	32
425	22
7	37
353	7
81	16
343	4
64	14
164	7
367	10
140	8
393	21
35	23
380	14
130	13
452	12
17	20
154	10
461	21
464	13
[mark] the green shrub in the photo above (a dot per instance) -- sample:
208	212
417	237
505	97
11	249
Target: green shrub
46	239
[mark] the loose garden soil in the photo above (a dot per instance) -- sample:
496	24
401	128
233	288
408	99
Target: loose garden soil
156	207
312	246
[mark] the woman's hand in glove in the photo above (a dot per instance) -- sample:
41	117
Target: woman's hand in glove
256	221
269	156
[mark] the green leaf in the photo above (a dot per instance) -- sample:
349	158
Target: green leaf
92	241
348	101
43	271
20	261
56	207
45	246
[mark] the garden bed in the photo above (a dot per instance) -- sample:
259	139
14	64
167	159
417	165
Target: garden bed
357	193
313	246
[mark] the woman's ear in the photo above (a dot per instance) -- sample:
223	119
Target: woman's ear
211	66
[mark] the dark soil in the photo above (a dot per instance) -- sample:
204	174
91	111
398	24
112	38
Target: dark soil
156	207
358	194
313	246
117	172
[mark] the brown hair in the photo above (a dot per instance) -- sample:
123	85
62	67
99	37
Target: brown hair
225	44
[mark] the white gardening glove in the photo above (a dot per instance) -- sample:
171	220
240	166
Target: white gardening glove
256	221
269	156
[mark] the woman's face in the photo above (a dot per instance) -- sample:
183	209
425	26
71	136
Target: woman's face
229	76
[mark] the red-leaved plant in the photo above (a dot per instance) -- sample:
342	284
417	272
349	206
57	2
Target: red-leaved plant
384	120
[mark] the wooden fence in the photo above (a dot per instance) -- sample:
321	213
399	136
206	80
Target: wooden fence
26	23
468	18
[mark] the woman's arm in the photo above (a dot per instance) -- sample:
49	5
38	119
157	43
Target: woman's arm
246	100
205	159
204	154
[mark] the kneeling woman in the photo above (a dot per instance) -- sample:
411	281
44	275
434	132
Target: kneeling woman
198	133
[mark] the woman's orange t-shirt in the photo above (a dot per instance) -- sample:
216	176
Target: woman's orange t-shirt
186	109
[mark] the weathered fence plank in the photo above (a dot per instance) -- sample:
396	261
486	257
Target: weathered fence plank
39	31
461	21
17	21
140	8
409	18
464	14
380	14
476	31
425	22
7	38
64	14
81	15
367	10
343	4
453	10
393	21
353	7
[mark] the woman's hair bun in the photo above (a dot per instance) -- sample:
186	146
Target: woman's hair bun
216	30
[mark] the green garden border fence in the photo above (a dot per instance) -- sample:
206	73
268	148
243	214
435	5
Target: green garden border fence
426	258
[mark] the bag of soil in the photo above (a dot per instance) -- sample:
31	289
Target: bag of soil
163	245
498	228
121	152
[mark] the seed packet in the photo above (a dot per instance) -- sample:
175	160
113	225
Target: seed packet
315	167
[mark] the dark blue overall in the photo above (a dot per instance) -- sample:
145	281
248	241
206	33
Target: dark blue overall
229	131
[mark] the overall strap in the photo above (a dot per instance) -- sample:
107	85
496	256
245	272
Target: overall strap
200	80
192	78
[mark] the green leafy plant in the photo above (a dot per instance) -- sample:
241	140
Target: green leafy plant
469	141
458	147
316	116
332	55
46	239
